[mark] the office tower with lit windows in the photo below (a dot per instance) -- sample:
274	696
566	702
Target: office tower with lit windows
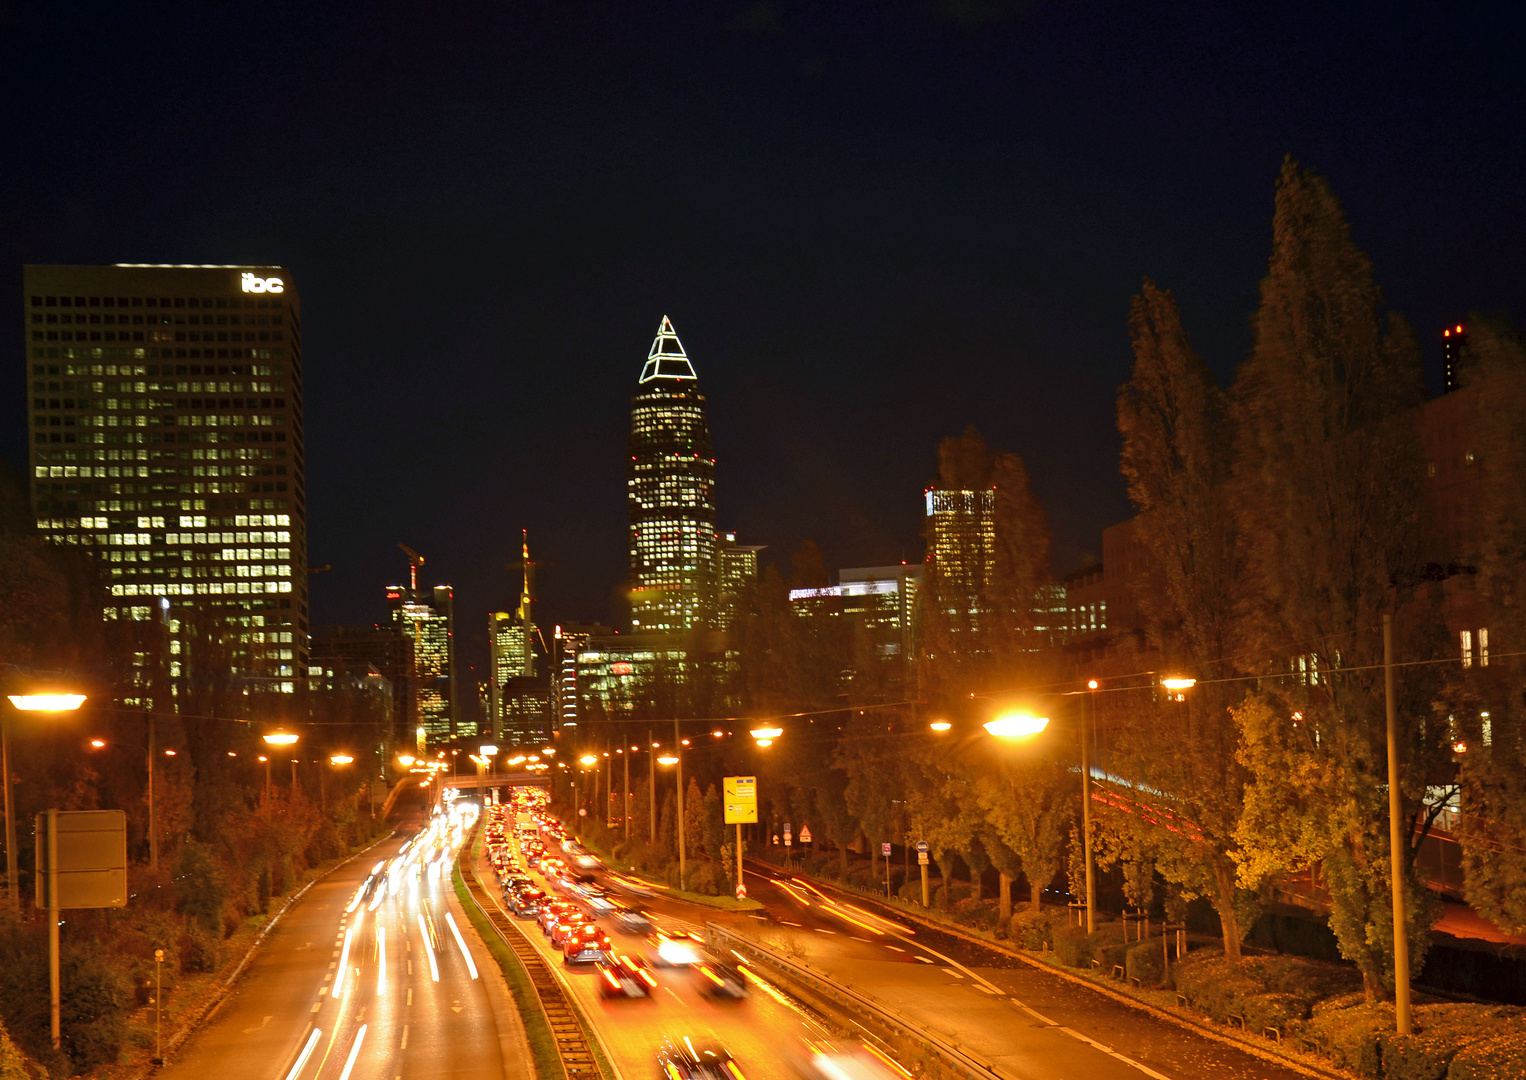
511	651
426	617
961	535
670	496
736	573
165	427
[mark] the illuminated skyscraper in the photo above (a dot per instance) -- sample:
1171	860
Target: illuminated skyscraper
511	639
738	570
165	428
670	496
426	617
962	541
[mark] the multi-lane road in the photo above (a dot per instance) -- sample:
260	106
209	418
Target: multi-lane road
387	981
374	990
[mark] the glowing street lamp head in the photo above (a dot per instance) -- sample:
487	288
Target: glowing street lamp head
764	742
281	738
406	760
340	759
1091	684
766	732
1176	683
589	759
1017	725
940	725
667	759
488	750
47	702
97	743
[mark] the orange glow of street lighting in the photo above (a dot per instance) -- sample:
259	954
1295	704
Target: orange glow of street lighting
1176	683
766	732
940	725
1091	684
97	743
280	738
667	759
1017	725
589	759
47	702
765	742
340	759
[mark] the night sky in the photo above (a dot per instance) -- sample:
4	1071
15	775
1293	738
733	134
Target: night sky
871	223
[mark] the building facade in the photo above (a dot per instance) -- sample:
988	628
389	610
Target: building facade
737	571
566	642
670	496
426	617
166	436
383	649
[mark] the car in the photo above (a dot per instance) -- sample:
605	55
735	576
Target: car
831	1059
566	926
690	1058
625	977
549	911
584	944
516	880
675	949
631	920
718	980
525	902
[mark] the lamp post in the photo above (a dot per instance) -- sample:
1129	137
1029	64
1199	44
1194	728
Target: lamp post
266	762
153	826
43	703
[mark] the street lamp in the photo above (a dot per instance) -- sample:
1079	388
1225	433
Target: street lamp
1016	725
44	703
940	726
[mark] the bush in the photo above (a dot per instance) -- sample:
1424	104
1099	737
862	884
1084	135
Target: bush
1441	1032
981	914
200	949
1031	930
1073	948
1216	986
92	1008
1500	1057
1349	1030
951	893
1146	962
1280	1011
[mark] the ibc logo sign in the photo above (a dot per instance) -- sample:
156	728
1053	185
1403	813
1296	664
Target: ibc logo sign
254	284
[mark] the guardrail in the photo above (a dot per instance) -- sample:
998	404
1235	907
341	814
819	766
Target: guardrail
957	1058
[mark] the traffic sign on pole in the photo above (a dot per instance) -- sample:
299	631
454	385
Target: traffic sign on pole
740	799
885	850
922	847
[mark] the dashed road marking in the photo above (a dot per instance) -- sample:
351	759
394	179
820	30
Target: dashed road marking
895	948
819	930
955	974
924	960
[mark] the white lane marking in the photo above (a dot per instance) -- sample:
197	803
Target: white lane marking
676	998
404	1044
344	963
786	922
316	1006
895	948
471	965
410	994
307	1052
381	956
955	974
985	990
819	930
924	960
354	1053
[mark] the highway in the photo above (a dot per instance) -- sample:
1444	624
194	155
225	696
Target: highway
758	1030
377	989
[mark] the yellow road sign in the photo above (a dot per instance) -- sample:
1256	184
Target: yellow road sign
740	799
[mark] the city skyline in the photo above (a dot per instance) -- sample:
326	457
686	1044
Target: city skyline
873	230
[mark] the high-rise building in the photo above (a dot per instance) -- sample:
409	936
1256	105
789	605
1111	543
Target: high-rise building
737	571
670	496
427	618
1454	356
165	426
566	642
962	543
382	648
511	641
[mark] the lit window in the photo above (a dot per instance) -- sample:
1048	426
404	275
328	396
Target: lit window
1483	646
1467	648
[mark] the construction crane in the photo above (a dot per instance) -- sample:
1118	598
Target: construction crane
415	560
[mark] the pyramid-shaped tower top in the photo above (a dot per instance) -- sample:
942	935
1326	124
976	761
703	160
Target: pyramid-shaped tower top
667	360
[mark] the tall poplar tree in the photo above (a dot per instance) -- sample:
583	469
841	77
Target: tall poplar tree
1328	505
1177	448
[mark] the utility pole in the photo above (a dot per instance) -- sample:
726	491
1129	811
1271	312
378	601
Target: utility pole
627	795
678	752
153	824
651	781
1086	811
1396	844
